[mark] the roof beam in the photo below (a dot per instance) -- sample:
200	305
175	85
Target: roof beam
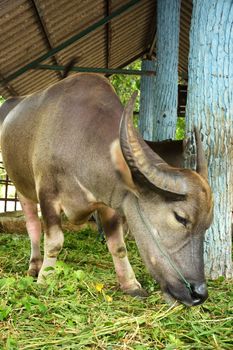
73	39
97	70
42	24
152	47
8	86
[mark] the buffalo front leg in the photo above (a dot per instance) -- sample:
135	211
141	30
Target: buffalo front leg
33	226
53	237
114	236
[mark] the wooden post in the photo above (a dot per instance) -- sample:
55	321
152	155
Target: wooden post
146	114
166	83
210	107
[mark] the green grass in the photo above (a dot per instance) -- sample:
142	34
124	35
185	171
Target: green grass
82	307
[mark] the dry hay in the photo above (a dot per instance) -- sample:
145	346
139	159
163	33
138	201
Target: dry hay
14	222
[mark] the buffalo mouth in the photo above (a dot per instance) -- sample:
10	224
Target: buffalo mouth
185	296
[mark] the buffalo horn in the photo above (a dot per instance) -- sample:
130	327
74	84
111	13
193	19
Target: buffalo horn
201	168
147	168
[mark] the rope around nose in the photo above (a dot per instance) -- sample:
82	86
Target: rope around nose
159	246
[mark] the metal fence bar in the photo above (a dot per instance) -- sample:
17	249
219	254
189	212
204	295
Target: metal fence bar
6	193
16	200
6	182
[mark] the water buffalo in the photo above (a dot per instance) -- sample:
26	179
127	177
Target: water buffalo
73	149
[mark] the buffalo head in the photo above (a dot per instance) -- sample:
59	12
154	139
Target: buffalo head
168	210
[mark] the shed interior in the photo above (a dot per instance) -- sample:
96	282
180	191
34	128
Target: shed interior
39	37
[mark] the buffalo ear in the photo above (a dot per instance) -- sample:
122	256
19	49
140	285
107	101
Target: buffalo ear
121	167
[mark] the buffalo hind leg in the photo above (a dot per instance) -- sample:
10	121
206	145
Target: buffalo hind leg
53	237
33	226
114	236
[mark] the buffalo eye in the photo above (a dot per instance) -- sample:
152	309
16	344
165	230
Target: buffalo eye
180	219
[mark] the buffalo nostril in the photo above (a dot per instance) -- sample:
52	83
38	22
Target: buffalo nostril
199	291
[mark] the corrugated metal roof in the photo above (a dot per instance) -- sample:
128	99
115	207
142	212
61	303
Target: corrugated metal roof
30	28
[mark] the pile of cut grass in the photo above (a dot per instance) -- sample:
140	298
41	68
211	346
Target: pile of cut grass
82	307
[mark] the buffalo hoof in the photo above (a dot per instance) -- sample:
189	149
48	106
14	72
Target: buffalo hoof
33	272
138	293
34	267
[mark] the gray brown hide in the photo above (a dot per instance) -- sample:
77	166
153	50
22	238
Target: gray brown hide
73	149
